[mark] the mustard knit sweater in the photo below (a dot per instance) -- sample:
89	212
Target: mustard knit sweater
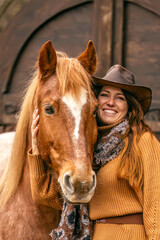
44	185
113	196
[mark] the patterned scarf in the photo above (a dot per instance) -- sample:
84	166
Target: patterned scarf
75	223
110	145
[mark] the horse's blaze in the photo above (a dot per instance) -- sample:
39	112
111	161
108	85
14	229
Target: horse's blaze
78	184
76	109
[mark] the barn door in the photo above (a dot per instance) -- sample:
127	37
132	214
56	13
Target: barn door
68	24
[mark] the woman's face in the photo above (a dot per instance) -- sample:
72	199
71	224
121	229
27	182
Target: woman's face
113	105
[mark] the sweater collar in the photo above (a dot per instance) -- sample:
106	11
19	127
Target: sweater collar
105	130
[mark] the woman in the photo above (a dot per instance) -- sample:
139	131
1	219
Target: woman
126	203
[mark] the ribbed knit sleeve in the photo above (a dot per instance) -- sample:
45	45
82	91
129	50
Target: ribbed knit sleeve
44	186
150	149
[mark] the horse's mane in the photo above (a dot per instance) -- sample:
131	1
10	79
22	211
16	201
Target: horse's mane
71	77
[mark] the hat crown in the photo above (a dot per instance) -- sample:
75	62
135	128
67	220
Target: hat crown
119	74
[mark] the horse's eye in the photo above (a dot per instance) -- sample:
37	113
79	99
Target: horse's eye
95	111
49	109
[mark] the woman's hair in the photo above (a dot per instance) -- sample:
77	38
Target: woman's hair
131	165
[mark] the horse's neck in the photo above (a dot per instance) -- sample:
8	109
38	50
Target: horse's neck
36	221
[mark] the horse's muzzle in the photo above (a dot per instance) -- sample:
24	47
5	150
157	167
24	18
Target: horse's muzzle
78	189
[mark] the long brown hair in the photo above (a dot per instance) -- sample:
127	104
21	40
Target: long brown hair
131	165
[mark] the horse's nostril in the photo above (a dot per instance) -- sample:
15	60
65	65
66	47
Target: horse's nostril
67	182
94	182
94	178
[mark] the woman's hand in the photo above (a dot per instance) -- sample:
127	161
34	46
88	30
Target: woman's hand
34	131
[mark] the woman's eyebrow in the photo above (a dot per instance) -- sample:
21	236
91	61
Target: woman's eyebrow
107	91
120	94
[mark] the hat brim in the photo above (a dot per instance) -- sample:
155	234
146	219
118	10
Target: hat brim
141	93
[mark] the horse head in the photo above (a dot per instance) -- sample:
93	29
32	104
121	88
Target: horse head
67	125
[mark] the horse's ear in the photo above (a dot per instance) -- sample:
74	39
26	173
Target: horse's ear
47	60
88	58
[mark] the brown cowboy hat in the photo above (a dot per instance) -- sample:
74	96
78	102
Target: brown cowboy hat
120	77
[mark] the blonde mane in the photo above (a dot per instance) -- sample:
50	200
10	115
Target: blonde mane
71	77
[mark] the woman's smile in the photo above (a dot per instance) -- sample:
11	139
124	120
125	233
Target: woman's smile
109	111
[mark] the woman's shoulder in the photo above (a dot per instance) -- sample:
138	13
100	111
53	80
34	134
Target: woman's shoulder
149	148
148	135
147	140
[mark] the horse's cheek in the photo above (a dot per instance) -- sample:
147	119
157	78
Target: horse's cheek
55	160
92	133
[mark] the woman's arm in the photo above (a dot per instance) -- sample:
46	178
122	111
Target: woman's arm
150	149
44	185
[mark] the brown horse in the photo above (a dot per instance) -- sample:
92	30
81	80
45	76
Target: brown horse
61	89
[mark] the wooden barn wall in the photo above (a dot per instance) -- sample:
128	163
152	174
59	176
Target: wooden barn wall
124	31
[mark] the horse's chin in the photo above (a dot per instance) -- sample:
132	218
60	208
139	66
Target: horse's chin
66	200
77	199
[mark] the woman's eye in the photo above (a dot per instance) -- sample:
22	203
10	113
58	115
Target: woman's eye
49	109
104	95
121	98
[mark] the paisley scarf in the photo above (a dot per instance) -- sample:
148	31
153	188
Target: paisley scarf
75	223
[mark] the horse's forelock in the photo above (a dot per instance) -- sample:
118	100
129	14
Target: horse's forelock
72	77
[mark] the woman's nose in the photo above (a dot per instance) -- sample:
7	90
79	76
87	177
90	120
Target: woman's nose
110	101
